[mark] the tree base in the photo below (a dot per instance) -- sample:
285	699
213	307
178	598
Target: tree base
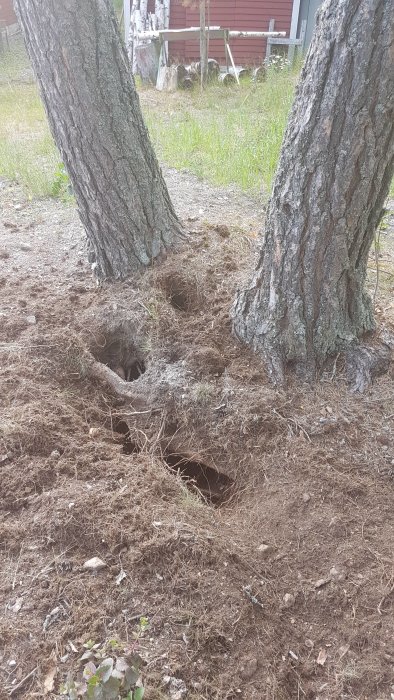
365	362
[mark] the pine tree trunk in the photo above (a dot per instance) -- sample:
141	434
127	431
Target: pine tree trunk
95	117
307	299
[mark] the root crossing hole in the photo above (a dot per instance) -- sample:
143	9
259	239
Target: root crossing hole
213	485
119	352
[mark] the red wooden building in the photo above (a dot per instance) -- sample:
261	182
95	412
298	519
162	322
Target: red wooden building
7	14
245	15
242	15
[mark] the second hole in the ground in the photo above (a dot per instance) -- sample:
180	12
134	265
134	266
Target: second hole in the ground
210	484
129	446
213	485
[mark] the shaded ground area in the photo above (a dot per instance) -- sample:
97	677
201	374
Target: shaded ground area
196	200
253	527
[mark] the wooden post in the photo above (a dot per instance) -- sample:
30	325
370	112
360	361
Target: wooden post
270	29
166	22
159	12
203	45
163	65
225	50
167	9
302	37
132	36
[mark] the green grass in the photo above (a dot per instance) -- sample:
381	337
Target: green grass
28	154
118	5
225	135
14	64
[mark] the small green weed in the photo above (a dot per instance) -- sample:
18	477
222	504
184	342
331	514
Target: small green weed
110	680
277	62
112	671
61	182
152	309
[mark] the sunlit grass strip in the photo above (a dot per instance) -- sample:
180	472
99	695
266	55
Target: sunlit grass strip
226	135
28	154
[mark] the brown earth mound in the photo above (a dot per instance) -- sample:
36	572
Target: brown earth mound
253	527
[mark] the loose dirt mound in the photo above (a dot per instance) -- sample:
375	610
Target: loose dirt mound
254	527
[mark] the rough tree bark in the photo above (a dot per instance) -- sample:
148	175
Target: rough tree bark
95	117
307	298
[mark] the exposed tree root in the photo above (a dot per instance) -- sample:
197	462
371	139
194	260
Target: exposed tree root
365	362
121	388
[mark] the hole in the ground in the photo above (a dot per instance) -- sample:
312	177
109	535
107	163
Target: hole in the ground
179	301
119	353
213	485
180	290
129	445
130	370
